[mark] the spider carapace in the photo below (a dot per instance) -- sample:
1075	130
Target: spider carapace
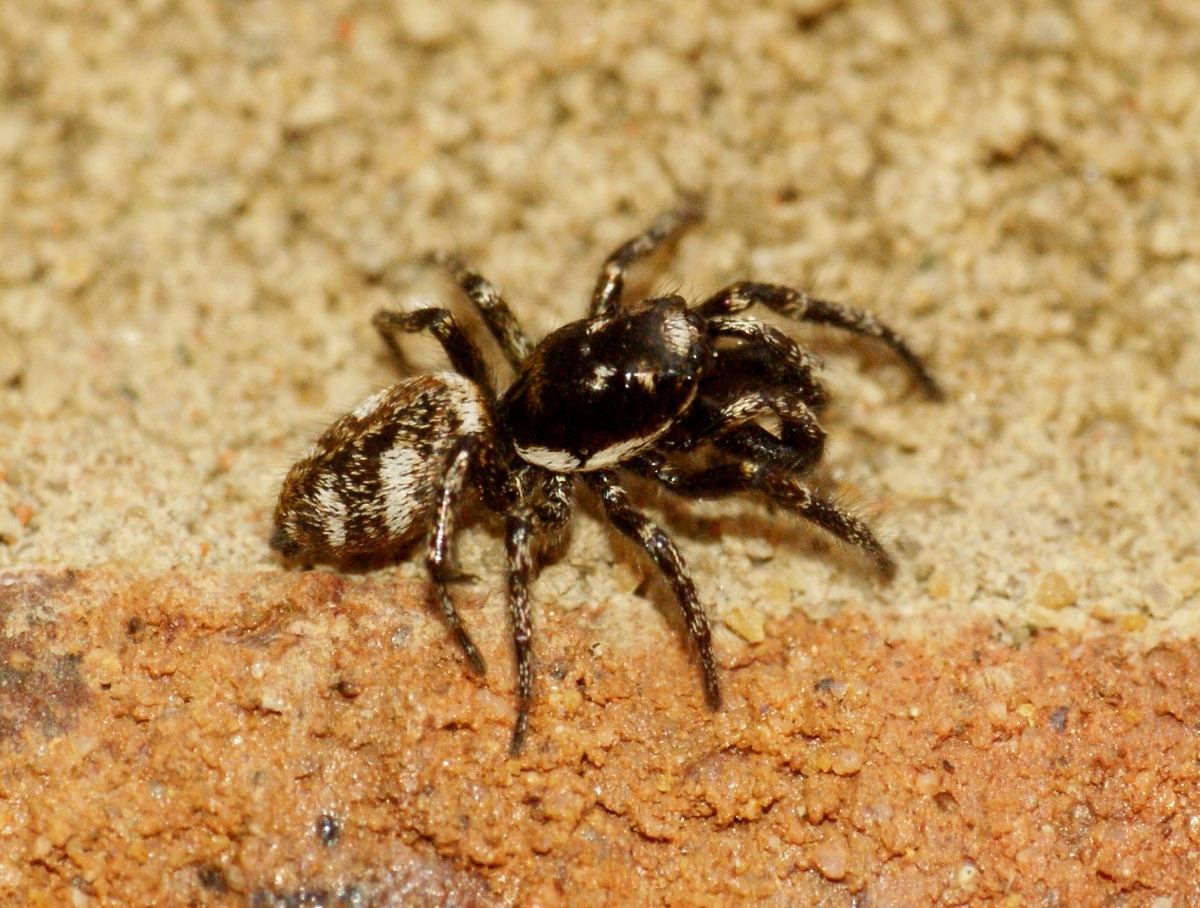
631	388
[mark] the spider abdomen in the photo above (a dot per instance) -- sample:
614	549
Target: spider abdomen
599	391
370	483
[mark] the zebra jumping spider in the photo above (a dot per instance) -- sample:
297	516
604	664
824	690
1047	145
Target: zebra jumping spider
629	388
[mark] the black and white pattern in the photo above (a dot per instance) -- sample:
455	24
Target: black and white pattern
636	388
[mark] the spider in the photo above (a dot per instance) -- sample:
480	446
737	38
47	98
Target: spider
637	388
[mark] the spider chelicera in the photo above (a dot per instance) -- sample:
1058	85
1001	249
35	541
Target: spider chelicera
632	388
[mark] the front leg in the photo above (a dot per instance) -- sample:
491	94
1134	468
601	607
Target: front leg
658	545
799	305
546	514
769	360
519	542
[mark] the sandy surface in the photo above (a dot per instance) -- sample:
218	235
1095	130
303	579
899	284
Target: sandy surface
301	739
204	204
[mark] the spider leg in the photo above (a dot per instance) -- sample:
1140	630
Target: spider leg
552	509
550	512
519	538
778	486
768	359
503	325
666	558
731	427
799	305
754	443
439	558
464	355
611	280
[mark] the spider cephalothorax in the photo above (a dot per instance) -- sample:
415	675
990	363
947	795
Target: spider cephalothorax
632	388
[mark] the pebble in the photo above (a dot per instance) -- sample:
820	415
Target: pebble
1054	592
846	762
831	857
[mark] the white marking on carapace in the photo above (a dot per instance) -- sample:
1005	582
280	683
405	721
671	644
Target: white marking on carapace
332	510
645	378
680	334
566	462
622	450
600	376
558	461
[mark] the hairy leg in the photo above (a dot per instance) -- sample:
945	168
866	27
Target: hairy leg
503	325
778	486
655	543
611	281
769	360
463	354
439	558
799	305
730	426
544	513
519	544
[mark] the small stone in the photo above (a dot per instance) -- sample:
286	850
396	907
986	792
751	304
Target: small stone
997	713
1166	240
425	21
927	783
1007	126
831	857
319	106
103	666
1049	30
1054	592
967	877
746	623
1133	622
759	550
1058	718
24	513
509	26
846	762
1185	577
938	586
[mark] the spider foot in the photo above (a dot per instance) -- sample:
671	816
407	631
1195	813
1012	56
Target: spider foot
472	652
